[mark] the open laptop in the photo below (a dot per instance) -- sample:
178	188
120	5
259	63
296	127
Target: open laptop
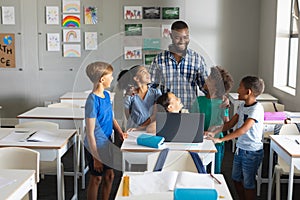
180	127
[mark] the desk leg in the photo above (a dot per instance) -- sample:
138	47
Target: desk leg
60	195
213	163
33	189
75	167
123	162
82	166
291	180
270	171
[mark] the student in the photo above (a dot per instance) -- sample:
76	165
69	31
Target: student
139	105
99	126
217	84
169	102
249	153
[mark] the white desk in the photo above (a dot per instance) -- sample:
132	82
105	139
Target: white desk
67	118
222	189
49	151
23	181
137	154
286	147
79	98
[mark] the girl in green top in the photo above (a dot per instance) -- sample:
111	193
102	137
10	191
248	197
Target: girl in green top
217	84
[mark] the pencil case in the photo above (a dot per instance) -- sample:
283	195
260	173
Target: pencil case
150	140
195	194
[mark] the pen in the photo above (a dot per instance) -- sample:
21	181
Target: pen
297	141
219	182
30	135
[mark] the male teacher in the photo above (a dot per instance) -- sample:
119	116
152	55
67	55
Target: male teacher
180	70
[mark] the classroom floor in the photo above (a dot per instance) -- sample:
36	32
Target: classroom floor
47	187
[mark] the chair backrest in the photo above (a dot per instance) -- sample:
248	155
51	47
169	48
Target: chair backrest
63	105
272	107
175	161
20	158
38	125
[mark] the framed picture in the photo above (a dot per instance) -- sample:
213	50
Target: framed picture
151	44
71	35
165	30
90	41
71	6
90	15
148	58
53	42
132	53
132	12
72	50
151	12
133	29
71	21
52	15
170	13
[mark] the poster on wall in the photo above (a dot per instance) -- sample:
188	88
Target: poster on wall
148	58
132	12
7	50
90	40
170	13
71	21
133	29
8	15
53	42
72	51
71	6
151	12
90	15
52	15
165	30
132	53
71	35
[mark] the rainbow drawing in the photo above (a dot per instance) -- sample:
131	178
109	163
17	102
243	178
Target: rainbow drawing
71	6
72	50
72	21
71	35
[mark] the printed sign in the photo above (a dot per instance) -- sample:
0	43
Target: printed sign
7	50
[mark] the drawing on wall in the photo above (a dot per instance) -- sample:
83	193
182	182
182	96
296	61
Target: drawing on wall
148	58
53	42
133	29
132	53
71	6
71	21
151	12
71	35
72	51
7	54
8	15
132	12
90	40
151	44
90	15
52	15
165	30
170	13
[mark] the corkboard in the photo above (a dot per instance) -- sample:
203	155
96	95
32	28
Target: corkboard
7	50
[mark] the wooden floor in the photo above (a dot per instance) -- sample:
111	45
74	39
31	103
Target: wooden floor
47	187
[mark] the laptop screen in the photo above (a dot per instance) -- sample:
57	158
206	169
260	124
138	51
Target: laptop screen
180	127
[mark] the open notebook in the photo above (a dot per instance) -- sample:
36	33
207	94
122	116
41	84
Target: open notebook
30	136
165	181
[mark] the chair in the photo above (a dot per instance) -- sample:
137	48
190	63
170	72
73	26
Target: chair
281	168
46	167
175	161
63	105
20	158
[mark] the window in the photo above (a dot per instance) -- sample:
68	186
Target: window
286	45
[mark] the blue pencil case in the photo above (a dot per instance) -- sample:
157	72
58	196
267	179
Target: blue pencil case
195	194
150	140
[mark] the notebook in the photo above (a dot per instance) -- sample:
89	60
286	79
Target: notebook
180	127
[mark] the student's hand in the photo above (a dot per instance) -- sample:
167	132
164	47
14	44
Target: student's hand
98	166
215	140
123	136
209	134
225	103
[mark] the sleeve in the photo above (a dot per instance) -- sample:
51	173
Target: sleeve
202	72
256	113
127	101
195	107
157	94
90	108
154	71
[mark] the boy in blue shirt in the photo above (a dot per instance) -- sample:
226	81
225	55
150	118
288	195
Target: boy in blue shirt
99	125
249	153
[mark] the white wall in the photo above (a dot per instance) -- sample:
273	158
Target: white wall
266	56
228	31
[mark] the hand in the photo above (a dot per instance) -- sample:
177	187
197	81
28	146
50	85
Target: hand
225	103
98	166
215	140
123	136
209	134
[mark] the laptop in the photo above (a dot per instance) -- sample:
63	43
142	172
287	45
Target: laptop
180	127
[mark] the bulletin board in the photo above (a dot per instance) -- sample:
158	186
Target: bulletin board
7	50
